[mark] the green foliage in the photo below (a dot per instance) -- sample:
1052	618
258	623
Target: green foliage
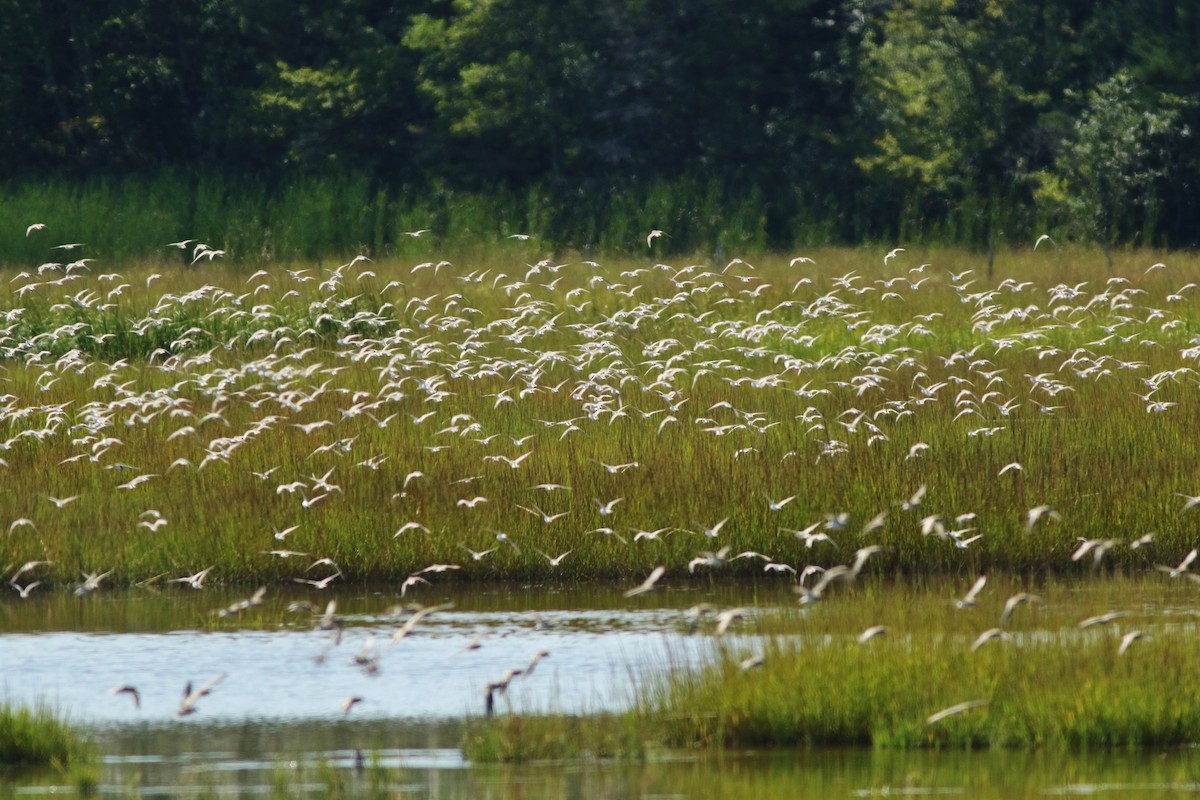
1116	152
1046	683
840	120
515	738
38	737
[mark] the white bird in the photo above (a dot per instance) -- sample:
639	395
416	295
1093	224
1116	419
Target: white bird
190	697
871	632
91	582
1128	639
1142	541
1191	503
647	584
954	710
638	535
1037	514
777	505
752	662
1014	602
893	254
1097	547
1181	567
22	521
654	234
470	502
712	532
1102	619
860	559
1045	237
26	590
546	518
916	451
968	600
554	560
990	635
808	536
62	502
606	509
410	526
817	592
914	501
280	535
37	226
410	582
617	469
196	581
478	555
726	618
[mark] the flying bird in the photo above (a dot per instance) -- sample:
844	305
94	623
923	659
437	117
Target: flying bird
954	710
647	584
968	600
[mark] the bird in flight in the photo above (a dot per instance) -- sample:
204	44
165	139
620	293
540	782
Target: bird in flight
190	697
647	584
968	600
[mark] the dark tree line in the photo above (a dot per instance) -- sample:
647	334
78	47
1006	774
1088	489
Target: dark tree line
959	120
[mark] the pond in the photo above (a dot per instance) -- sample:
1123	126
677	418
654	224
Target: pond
276	724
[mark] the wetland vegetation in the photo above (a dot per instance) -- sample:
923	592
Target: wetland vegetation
37	736
164	422
827	422
486	370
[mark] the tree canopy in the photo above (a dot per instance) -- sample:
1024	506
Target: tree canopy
960	120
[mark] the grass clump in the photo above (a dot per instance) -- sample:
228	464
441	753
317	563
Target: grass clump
519	738
38	737
1039	691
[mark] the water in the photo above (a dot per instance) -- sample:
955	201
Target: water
274	725
71	652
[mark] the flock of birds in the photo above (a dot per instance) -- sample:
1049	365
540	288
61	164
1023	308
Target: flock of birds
635	355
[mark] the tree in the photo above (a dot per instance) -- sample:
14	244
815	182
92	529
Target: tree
958	91
1107	168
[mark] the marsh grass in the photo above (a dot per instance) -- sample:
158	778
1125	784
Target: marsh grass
107	378
38	736
1050	685
1077	694
521	738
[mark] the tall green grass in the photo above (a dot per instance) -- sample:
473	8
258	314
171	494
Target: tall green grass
321	218
1050	684
38	737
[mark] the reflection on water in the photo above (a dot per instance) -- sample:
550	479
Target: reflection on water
275	726
319	760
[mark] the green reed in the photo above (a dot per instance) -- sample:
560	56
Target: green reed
39	737
1045	687
1047	684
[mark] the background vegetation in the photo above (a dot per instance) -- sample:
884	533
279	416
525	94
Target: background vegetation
332	125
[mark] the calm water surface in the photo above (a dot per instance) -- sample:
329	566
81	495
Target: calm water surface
274	726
